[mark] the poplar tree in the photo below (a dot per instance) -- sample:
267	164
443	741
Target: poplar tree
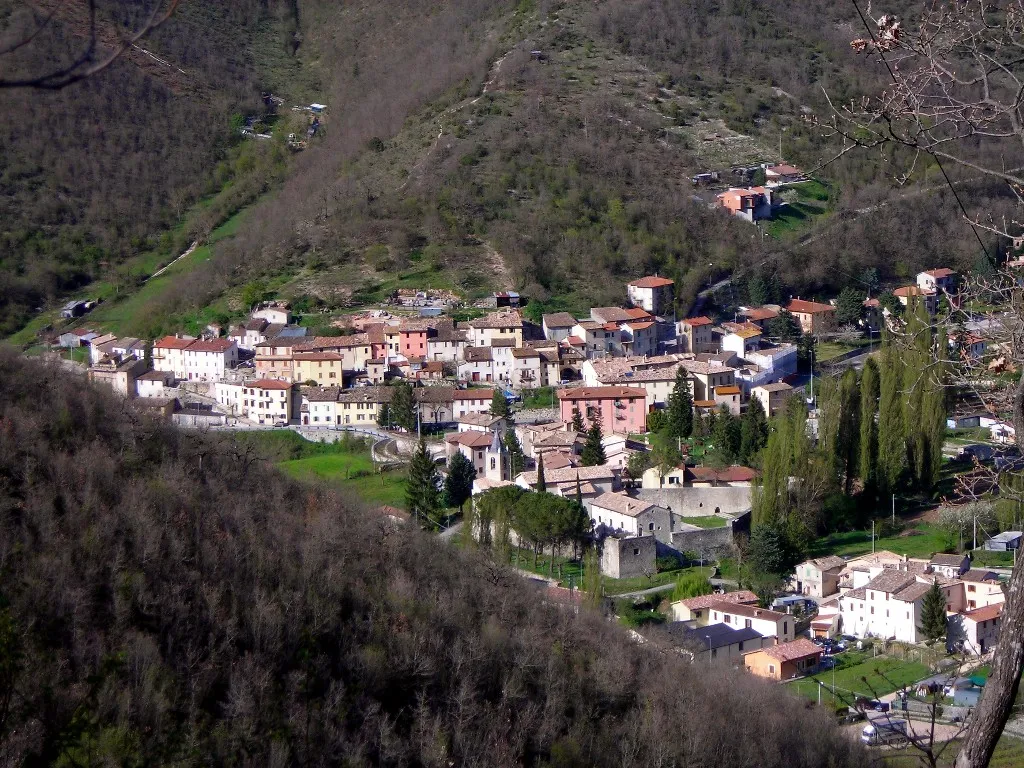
753	431
849	427
892	452
770	498
869	391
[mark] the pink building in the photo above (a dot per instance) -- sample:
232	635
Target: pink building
621	409
412	340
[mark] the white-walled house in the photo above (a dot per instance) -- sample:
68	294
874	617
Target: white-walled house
635	517
471	401
504	325
889	606
209	360
654	294
169	355
266	401
557	325
769	623
153	383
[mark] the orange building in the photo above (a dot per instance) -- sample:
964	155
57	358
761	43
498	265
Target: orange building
785	661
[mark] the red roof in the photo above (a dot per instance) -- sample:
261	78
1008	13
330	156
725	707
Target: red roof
652	282
705	601
83	331
635	313
737	474
986	613
782	169
471	439
731	389
872	303
639	326
601	393
696	322
801	648
212	345
913	290
575	341
173	342
940	273
804	307
760	313
270	384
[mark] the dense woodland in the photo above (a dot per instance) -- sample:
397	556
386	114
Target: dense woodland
570	168
167	597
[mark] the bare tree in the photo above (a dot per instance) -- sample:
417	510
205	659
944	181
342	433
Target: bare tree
956	98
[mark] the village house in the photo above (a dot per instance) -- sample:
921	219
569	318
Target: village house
718	642
689	476
325	369
77	337
741	339
483	449
638	337
557	326
776	362
653	294
981	589
447	344
818	577
768	623
750	204
563	481
784	661
273	312
209	360
153	383
939	281
599	338
909	295
505	324
169	355
118	373
760	316
502	360
476	365
318	406
950	566
695	334
782	173
526	368
889	606
247	335
1006	541
730	397
634	517
265	401
706	376
771	397
975	631
813	316
275	359
619	409
472	401
356	350
697	609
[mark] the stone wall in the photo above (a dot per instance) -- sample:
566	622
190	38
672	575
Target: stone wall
706	542
698	502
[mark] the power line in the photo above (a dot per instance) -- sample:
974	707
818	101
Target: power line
930	153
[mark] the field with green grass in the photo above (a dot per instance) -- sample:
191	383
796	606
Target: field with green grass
542	397
352	472
1009	754
858	674
805	203
917	540
708	521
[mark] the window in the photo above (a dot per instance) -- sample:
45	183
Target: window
771	669
741	645
971	588
650	526
785	627
636	551
728	619
747	625
872	610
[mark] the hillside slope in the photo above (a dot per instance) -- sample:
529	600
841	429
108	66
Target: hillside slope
167	598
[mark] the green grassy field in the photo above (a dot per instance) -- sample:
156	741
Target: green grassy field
858	674
351	472
542	397
918	540
709	521
1009	753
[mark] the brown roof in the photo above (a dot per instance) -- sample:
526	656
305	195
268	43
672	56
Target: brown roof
804	307
652	282
828	563
559	320
777	386
476	354
471	439
737	474
731	389
890	580
569	474
946	559
473	394
943	272
801	648
601	393
912	593
524	352
912	290
636	313
609	314
321	394
498	320
978	574
705	601
479	419
623	504
324	356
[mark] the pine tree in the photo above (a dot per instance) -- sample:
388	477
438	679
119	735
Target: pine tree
384	416
542	485
680	406
892	453
577	421
458	484
499	404
593	450
516	457
403	406
933	613
868	463
422	497
726	437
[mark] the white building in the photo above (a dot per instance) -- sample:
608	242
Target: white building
266	401
153	383
467	401
169	355
654	294
768	623
557	325
889	606
635	517
209	360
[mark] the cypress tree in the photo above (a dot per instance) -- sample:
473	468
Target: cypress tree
869	391
422	497
680	406
916	359
403	406
933	613
830	415
593	450
541	482
577	421
516	457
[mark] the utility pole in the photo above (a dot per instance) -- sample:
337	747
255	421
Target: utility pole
872	537
894	509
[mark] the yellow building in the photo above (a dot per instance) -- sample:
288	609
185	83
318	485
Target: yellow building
325	368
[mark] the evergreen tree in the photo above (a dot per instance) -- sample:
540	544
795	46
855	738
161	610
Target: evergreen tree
757	289
849	307
933	613
892	454
499	404
577	421
784	327
516	457
915	358
403	406
726	437
849	427
680	406
384	416
593	450
753	432
542	485
579	490
869	391
422	497
665	453
458	484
